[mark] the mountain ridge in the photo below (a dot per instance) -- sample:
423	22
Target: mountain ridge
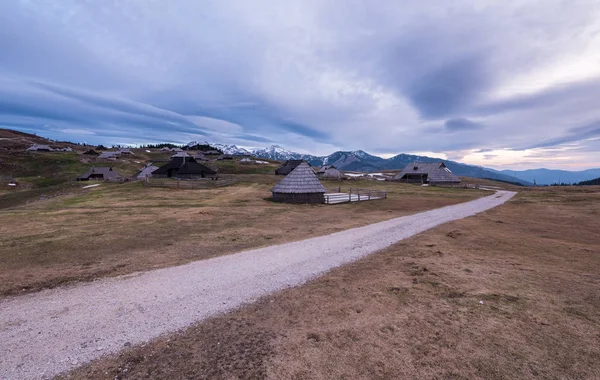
359	160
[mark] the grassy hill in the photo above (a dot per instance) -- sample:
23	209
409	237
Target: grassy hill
47	174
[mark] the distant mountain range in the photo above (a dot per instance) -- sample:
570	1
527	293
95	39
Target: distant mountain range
549	177
364	162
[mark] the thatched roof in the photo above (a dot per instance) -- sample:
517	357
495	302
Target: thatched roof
184	165
329	171
301	180
287	167
435	172
180	154
38	147
105	173
194	168
146	172
109	155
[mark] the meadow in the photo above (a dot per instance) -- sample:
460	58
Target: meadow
114	229
513	292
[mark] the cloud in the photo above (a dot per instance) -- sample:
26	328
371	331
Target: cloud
576	134
310	75
461	124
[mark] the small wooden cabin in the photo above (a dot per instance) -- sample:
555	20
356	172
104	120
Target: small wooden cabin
301	185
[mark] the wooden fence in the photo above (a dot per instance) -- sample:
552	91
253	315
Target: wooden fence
188	184
353	195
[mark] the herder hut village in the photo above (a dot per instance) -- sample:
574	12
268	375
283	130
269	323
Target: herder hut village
178	168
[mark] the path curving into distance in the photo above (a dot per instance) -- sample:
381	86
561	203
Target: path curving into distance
46	333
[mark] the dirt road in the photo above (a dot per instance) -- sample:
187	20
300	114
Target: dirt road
46	333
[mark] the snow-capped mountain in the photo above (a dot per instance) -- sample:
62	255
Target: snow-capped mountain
234	150
362	161
275	152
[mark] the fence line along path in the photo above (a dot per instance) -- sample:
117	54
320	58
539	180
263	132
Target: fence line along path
45	333
206	183
353	195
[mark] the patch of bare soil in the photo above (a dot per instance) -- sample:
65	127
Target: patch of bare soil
511	293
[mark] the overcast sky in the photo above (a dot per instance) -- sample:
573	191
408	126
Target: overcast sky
502	84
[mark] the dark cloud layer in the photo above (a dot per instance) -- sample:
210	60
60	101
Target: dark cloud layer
462	79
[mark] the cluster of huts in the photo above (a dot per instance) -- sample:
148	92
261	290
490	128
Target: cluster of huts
327	171
47	148
181	167
302	185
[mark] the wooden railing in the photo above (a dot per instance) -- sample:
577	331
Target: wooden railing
188	184
353	195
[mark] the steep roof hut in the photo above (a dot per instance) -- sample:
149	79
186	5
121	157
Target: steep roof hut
183	167
200	157
212	152
126	151
180	154
329	171
301	185
99	174
91	152
176	150
146	172
165	149
39	148
433	173
287	167
108	155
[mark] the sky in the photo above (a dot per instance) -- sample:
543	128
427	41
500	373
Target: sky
508	85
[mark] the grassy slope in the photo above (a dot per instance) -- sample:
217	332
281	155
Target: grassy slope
510	293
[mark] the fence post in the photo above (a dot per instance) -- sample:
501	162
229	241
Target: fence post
177	185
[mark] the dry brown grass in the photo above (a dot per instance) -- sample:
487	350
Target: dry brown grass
119	229
413	310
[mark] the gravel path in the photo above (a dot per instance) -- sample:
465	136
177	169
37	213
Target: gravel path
49	332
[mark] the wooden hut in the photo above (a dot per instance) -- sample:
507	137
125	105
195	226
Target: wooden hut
180	154
184	167
330	172
287	167
200	157
146	172
108	156
99	174
39	148
126	151
91	152
433	173
301	185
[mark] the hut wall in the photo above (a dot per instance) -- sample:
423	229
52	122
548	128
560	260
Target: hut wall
299	197
414	178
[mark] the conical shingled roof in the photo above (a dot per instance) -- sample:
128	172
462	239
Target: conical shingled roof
301	180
